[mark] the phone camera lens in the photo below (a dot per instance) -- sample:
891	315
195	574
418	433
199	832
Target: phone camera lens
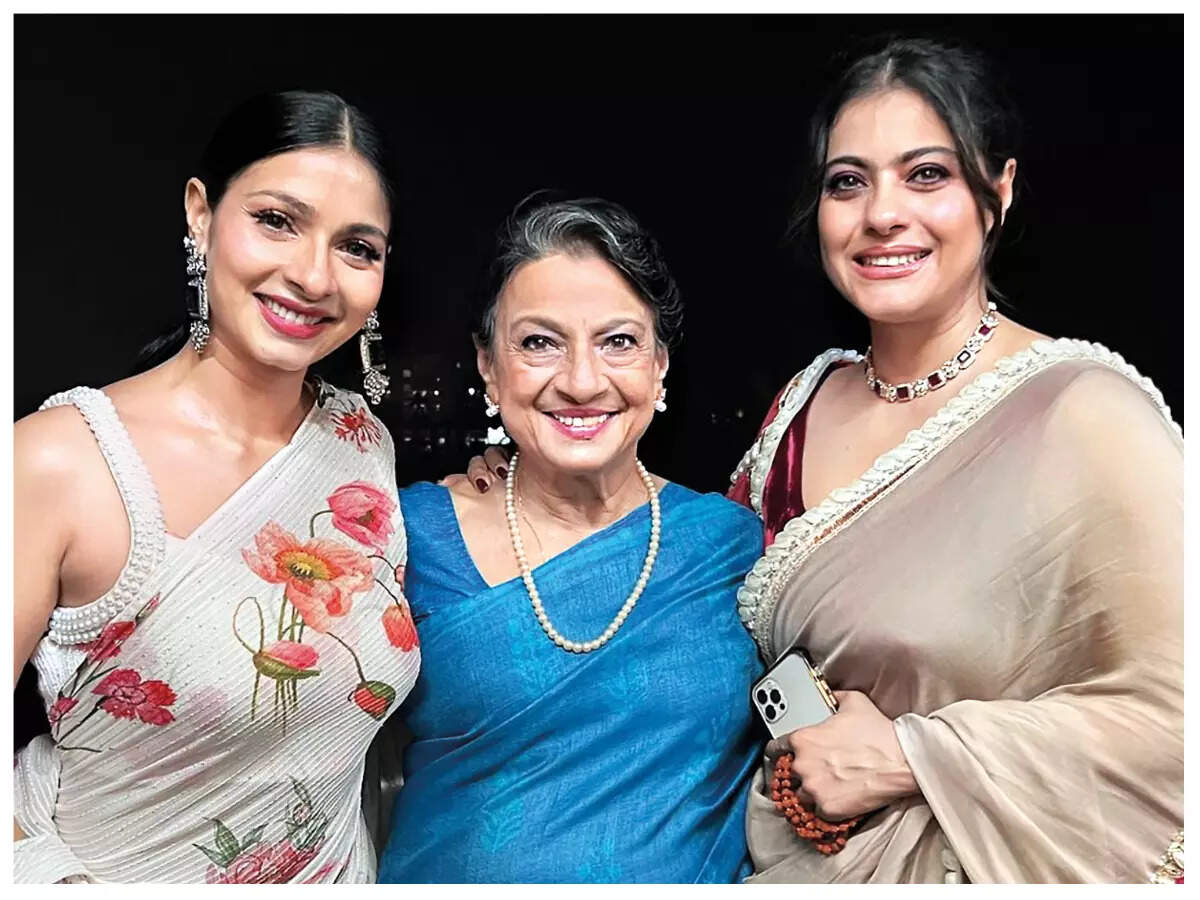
762	696
770	711
782	706
775	697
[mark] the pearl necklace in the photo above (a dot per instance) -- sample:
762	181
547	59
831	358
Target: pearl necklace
937	378
514	532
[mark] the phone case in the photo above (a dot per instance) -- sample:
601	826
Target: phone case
793	694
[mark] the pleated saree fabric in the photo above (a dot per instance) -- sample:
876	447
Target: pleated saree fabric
1007	585
532	764
210	715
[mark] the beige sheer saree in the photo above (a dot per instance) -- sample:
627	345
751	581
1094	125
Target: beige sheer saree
1007	585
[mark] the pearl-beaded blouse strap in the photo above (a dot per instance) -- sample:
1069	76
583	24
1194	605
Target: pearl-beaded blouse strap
76	625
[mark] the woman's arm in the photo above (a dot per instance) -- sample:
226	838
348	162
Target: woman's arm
43	480
45	467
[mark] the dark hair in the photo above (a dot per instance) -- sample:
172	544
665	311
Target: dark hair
960	87
539	227
264	126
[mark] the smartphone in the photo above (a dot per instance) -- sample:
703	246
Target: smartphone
793	694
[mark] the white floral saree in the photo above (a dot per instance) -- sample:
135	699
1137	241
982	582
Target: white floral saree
1007	585
211	713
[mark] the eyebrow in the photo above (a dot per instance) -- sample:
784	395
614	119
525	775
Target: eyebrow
539	322
618	323
306	210
550	325
906	156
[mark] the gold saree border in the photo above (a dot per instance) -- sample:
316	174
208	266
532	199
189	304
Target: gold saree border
761	590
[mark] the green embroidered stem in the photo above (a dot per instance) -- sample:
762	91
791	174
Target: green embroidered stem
282	613
75	727
353	655
261	626
254	696
98	673
312	531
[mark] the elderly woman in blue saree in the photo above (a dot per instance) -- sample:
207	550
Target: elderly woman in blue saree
581	715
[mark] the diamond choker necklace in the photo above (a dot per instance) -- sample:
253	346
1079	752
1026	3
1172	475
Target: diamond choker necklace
938	377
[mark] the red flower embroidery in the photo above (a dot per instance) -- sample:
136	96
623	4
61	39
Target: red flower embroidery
61	707
126	695
364	512
357	426
321	576
109	643
290	653
398	574
374	698
263	864
398	624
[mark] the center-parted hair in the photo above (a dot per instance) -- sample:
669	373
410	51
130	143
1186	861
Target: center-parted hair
959	86
541	227
265	126
270	124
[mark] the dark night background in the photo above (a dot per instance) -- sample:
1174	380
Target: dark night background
696	123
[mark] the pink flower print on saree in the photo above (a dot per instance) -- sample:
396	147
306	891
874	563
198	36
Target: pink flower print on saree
251	861
399	627
320	579
61	707
286	661
320	576
109	643
123	692
363	512
125	695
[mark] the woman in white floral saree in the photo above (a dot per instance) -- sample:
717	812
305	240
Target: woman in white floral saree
214	672
993	579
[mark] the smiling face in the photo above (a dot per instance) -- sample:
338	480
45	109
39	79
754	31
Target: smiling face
295	252
900	231
573	364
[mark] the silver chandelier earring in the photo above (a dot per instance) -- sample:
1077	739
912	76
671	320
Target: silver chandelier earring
374	363
661	403
197	302
490	407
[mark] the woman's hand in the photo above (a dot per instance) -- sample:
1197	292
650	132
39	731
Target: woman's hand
851	763
483	471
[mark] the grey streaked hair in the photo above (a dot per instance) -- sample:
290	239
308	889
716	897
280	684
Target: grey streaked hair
539	228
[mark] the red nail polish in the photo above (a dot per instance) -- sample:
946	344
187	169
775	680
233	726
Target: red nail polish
482	485
501	471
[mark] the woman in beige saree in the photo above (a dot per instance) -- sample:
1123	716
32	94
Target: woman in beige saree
993	580
999	594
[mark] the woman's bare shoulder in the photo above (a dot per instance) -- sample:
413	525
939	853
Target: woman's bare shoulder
53	446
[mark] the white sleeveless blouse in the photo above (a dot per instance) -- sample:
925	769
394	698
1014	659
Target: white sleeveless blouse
210	714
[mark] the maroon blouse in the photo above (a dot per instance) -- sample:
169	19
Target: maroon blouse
781	500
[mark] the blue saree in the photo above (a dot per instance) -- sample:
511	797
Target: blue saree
530	764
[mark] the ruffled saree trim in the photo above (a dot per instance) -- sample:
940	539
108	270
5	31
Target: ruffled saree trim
762	588
1170	865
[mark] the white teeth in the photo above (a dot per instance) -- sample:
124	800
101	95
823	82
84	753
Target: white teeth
891	260
581	421
290	315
